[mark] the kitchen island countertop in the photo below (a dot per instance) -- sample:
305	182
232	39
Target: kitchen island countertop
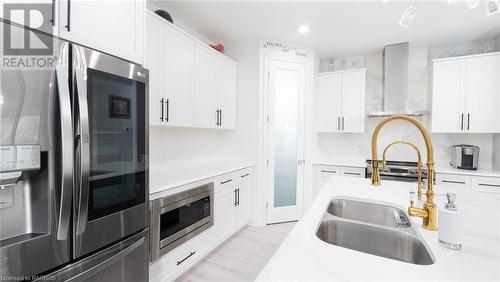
304	257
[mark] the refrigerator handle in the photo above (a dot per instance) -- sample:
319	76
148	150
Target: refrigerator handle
66	152
83	153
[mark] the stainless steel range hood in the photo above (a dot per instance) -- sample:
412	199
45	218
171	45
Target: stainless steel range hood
395	97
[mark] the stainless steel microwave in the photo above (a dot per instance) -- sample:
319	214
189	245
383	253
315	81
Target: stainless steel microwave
178	218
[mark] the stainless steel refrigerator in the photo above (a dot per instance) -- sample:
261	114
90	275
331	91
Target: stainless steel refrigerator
74	167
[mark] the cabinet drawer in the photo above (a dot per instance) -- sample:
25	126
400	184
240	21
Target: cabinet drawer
453	180
244	175
353	171
486	184
327	171
225	182
180	258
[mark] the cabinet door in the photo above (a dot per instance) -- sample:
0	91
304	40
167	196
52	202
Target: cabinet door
153	59
114	27
205	107
243	204
482	102
226	92
353	102
329	101
448	96
178	77
223	214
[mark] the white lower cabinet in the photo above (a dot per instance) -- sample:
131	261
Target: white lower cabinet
322	174
232	206
181	258
232	210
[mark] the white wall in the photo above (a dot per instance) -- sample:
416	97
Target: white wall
355	148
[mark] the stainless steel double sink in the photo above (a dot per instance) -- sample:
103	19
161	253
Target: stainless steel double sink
373	228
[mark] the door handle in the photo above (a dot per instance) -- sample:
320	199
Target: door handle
53	11
66	152
235	198
220	120
168	109
83	149
238	199
468	121
162	101
68	16
338	123
462	122
217	117
342	122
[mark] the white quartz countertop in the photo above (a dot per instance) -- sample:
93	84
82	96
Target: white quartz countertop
304	257
478	172
163	177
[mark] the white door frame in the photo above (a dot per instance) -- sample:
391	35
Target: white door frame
288	213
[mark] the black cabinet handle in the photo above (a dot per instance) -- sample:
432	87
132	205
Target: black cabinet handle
245	175
235	198
53	20
68	16
238	196
342	123
462	122
227	181
338	123
352	173
220	120
162	101
489	185
168	110
184	259
468	121
452	181
328	171
217	117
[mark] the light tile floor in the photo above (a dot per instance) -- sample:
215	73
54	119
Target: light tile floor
242	257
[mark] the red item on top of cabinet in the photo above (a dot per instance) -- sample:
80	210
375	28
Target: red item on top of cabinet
219	47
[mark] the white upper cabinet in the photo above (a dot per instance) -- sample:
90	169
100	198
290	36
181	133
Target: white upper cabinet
178	77
341	101
329	102
226	89
214	89
191	84
206	114
466	94
153	61
114	27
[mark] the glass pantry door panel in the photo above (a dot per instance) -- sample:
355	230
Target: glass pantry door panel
117	149
285	137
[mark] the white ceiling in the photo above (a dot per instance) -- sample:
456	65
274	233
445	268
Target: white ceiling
337	28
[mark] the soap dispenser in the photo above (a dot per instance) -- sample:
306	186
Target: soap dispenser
450	224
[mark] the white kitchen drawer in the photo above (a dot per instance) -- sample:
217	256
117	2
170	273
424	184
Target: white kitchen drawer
244	175
453	180
353	171
180	258
327	171
225	182
486	184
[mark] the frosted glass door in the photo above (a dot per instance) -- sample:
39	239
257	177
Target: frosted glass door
285	142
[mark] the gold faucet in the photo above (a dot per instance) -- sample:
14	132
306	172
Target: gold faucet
419	163
429	211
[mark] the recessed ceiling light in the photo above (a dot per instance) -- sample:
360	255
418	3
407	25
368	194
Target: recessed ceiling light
491	7
303	29
473	4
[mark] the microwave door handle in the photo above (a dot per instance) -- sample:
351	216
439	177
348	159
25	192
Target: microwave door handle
83	157
66	152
